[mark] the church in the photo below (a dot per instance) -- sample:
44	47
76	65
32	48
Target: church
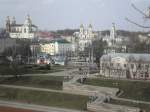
86	36
115	43
21	31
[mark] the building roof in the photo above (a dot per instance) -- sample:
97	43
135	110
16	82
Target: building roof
128	56
43	34
16	25
34	26
19	25
62	41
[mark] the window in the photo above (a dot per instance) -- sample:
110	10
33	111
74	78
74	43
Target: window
146	74
118	64
146	66
25	30
139	66
125	65
132	66
141	75
102	64
111	64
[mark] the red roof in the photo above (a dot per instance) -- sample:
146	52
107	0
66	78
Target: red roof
45	34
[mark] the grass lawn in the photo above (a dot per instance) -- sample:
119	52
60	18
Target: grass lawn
34	69
132	89
145	107
44	98
29	69
51	82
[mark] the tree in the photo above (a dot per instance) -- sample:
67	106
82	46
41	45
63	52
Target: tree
8	52
3	33
137	46
146	15
98	47
23	50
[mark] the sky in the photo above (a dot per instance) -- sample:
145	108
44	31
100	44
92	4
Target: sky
65	14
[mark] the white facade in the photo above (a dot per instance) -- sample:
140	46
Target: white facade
26	30
85	37
121	65
72	40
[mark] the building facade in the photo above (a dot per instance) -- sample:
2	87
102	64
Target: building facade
26	30
124	65
57	47
73	40
85	37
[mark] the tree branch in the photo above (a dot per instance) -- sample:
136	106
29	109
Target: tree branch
139	10
136	23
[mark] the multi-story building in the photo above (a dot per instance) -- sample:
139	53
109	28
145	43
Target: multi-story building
73	40
46	48
26	30
57	47
125	65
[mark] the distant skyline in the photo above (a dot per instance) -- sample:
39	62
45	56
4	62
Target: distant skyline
69	14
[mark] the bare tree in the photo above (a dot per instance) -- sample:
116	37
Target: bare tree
146	15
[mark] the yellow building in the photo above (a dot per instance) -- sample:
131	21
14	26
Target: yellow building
46	48
56	47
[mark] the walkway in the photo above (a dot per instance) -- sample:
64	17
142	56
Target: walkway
61	73
38	108
72	87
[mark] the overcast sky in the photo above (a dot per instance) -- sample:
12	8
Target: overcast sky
62	14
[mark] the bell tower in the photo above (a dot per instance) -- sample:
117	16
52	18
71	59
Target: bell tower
13	21
8	26
81	29
113	32
27	24
90	28
28	21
